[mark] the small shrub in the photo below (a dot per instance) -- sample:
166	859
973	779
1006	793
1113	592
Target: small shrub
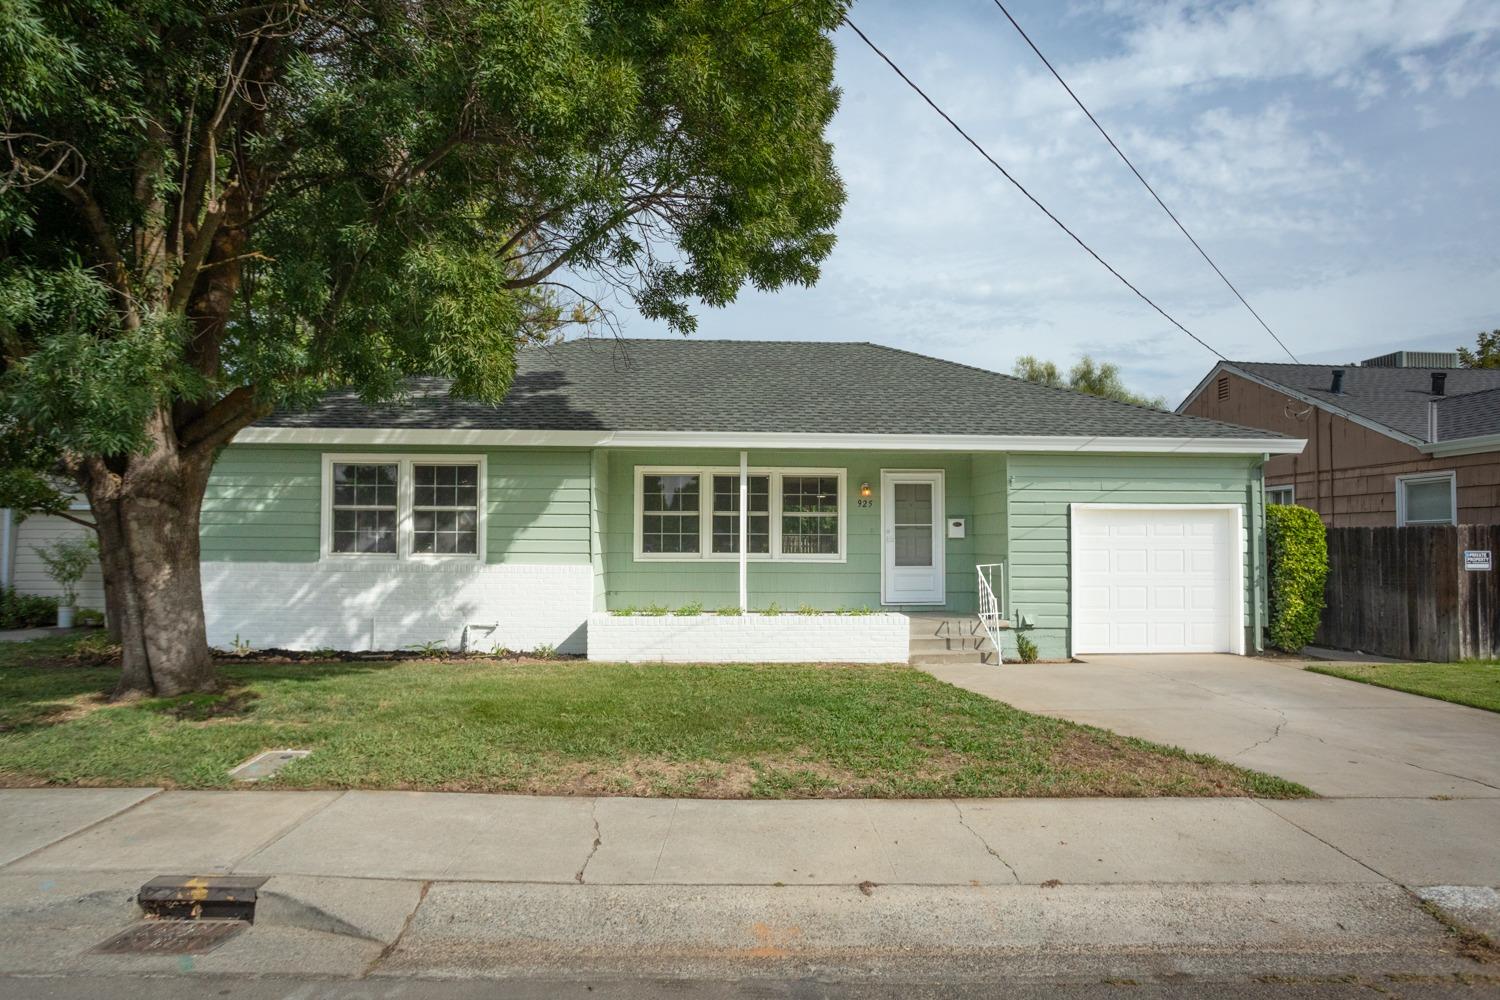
546	651
654	610
624	612
433	648
1296	568
808	609
241	647
1025	649
691	609
89	616
26	610
731	611
859	612
67	559
772	610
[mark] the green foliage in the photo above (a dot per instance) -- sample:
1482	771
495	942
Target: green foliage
808	609
26	610
433	648
689	610
1086	376
1486	352
1297	566
624	612
730	611
67	559
654	610
1025	648
89	616
546	651
859	612
772	610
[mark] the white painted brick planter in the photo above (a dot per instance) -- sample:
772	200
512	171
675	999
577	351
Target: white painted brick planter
396	604
880	638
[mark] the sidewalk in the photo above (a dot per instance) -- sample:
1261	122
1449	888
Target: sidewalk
421	883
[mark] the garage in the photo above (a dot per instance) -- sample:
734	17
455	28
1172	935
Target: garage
1157	579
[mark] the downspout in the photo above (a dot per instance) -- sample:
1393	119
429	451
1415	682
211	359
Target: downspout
744	531
1259	582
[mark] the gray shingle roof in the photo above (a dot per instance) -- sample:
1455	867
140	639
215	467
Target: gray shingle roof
1394	397
759	386
1469	415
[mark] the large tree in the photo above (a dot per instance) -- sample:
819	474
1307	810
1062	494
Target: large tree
1086	375
209	208
1485	353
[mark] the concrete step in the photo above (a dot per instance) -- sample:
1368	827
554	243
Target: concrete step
951	657
942	644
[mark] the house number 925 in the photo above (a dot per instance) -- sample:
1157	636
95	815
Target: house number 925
866	502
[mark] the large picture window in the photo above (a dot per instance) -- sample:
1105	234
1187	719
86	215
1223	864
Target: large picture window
694	513
403	507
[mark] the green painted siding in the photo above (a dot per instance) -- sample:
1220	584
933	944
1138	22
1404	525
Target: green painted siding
853	583
598	519
263	503
1042	487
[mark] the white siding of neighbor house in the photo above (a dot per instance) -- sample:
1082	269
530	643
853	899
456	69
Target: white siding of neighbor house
30	573
878	638
517	606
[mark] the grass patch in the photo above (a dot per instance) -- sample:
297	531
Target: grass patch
1475	682
573	727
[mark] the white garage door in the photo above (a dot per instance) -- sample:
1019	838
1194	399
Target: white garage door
1156	580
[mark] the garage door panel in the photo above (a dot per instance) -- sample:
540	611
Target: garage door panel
1155	580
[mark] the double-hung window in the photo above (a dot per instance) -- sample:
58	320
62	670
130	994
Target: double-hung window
1281	496
1428	498
794	515
403	506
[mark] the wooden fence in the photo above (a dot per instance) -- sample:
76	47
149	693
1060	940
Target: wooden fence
1404	592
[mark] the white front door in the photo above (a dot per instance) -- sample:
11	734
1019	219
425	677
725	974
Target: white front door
911	516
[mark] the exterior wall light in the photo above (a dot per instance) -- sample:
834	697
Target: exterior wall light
864	489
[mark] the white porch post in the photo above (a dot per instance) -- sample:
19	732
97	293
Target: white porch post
744	531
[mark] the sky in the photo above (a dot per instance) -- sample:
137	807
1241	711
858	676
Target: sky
1337	158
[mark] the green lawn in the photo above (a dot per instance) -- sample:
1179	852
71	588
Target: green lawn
574	727
1475	682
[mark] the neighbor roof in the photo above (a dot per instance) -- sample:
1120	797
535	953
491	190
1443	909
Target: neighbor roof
759	386
1397	398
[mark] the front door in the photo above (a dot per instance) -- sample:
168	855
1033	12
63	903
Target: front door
911	514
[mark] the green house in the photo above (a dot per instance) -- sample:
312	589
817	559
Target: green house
624	478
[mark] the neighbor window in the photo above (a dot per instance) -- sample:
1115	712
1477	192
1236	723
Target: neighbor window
793	514
1426	499
402	507
1281	496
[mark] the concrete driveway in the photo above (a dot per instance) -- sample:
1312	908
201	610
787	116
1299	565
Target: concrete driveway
1337	737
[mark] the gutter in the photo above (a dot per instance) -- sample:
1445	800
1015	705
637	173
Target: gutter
453	437
1462	446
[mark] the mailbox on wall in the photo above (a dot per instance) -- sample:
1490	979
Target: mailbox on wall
957	527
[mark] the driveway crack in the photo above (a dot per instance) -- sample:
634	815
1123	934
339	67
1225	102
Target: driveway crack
1274	733
598	840
963	822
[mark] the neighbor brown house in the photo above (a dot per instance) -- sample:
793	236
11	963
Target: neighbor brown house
1406	438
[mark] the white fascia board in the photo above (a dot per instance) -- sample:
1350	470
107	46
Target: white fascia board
1463	446
333	436
1321	404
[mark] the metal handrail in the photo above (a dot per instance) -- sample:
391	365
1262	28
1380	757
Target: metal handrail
991	607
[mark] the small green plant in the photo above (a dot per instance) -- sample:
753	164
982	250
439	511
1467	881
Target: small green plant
546	651
499	650
67	559
772	610
691	609
432	648
1025	649
241	647
624	612
26	610
89	616
731	611
325	653
95	650
654	610
862	610
1297	568
808	609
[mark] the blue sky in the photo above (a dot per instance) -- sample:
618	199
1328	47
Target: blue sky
1338	160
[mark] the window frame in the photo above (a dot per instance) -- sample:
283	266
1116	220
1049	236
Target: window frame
1419	477
1291	491
705	513
404	496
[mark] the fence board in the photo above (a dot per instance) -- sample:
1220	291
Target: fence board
1404	592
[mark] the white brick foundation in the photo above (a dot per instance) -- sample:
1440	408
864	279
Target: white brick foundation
333	605
881	638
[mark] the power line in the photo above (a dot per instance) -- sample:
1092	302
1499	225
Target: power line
1029	196
1048	63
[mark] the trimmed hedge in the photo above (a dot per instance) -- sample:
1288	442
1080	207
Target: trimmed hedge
26	610
1297	567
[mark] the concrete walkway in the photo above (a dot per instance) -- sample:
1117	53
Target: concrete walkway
1337	737
421	884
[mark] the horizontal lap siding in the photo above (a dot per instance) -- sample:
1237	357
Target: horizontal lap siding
264	503
1043	486
827	586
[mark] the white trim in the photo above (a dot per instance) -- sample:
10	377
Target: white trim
889	477
1291	488
1236	514
1418	477
404	463
706	473
738	440
1463	446
744	526
1317	401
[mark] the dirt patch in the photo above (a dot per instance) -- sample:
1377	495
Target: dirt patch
1121	770
230	706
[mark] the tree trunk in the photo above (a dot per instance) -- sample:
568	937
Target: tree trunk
148	517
